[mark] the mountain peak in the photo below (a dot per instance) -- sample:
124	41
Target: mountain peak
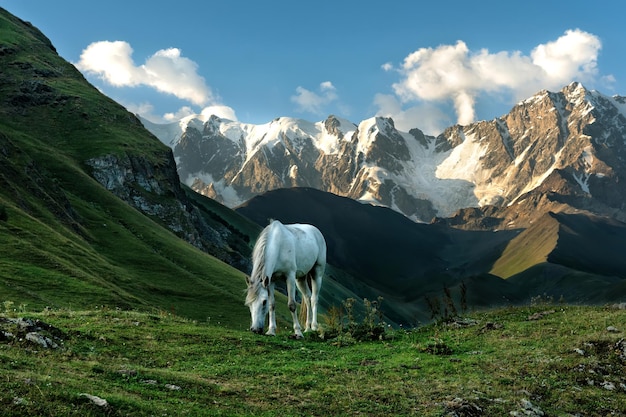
338	127
575	92
574	87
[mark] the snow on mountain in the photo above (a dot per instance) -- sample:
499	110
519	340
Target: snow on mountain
487	163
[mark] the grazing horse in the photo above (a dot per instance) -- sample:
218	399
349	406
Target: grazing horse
290	252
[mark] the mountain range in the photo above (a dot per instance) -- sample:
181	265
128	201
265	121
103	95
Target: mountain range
554	151
97	211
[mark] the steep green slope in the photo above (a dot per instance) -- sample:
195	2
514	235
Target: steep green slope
529	248
66	240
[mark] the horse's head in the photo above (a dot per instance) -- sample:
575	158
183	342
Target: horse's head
257	300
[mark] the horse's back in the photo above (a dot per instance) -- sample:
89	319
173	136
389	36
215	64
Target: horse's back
297	247
307	234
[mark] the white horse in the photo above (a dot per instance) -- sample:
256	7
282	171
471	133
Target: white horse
291	252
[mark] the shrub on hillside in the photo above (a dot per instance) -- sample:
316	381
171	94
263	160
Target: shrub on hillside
342	324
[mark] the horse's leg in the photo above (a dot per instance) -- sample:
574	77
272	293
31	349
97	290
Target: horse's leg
303	286
291	296
316	284
271	331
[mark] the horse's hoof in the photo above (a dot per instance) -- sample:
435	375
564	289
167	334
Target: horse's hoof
296	336
270	333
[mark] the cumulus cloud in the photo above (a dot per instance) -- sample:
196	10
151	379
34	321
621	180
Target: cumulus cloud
219	110
456	74
179	114
147	111
312	102
166	71
428	117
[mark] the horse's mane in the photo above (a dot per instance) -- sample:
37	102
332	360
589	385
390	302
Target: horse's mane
258	265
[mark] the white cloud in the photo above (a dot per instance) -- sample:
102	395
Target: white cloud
145	110
427	117
220	111
309	101
179	114
327	86
454	73
166	71
572	55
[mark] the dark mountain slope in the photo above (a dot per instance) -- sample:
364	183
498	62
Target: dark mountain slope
561	283
386	254
576	257
581	242
591	243
359	236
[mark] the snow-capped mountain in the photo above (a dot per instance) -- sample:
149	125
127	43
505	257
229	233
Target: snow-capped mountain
573	140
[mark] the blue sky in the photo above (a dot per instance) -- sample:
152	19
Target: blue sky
426	65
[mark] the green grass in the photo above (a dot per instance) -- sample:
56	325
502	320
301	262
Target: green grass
125	261
160	364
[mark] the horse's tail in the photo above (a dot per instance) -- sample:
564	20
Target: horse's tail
307	280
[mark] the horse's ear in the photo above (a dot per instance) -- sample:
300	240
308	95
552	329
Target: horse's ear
266	281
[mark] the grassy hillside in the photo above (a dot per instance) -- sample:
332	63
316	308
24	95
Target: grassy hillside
128	262
66	241
535	360
531	247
